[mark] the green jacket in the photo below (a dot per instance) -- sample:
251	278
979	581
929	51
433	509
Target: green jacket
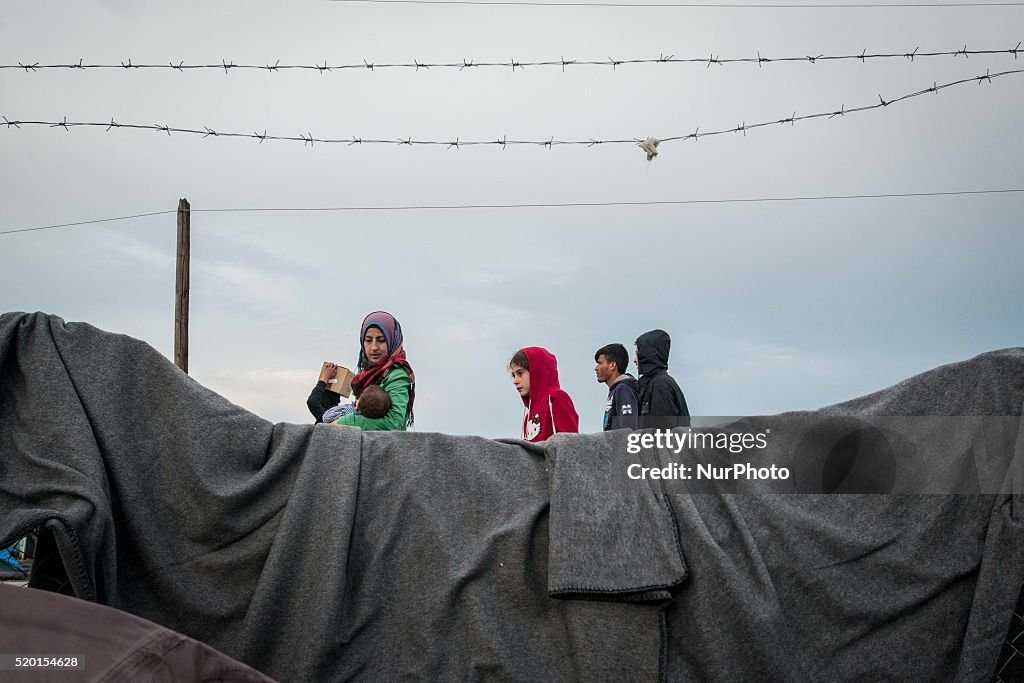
397	384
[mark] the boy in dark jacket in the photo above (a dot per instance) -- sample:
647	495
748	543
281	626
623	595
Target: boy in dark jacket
622	410
660	396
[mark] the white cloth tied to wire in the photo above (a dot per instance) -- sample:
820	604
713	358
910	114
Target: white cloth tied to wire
650	145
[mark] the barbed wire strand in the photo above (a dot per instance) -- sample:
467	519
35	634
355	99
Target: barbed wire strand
513	64
309	139
689	5
558	205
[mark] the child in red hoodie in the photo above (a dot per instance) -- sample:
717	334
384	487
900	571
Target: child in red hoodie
549	410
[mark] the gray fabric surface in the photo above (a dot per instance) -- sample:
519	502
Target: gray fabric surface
309	552
324	553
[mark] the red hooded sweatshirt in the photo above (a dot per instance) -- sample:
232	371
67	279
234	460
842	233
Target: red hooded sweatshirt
549	410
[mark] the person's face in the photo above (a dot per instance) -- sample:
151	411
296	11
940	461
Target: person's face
521	379
603	369
636	361
375	346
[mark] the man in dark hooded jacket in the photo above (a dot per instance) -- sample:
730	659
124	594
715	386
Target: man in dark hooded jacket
662	403
622	409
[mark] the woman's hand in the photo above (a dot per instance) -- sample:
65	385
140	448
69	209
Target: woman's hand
328	371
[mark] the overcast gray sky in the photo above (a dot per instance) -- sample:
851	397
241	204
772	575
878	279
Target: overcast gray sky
771	306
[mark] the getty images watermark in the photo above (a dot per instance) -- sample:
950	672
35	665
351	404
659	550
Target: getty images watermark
675	441
821	452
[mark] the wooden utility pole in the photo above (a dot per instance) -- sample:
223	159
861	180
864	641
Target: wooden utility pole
181	288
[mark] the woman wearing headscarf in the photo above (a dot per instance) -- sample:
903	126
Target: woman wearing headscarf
382	361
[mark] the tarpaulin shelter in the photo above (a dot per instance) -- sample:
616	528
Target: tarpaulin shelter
324	553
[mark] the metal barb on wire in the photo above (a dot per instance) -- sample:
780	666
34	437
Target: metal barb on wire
179	66
78	66
112	124
841	112
369	65
864	52
884	103
454	144
259	137
11	123
167	129
911	55
63	124
986	77
1015	50
355	141
129	65
615	64
29	67
209	132
306	139
272	68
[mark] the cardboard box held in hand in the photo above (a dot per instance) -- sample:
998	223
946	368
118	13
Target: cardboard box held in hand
341	383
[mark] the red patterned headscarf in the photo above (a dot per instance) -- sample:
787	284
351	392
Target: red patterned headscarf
374	374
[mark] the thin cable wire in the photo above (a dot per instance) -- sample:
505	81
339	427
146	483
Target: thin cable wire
228	66
692	5
98	220
541	205
308	138
679	202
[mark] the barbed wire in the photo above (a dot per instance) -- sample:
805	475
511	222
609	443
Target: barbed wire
691	5
549	205
513	64
309	139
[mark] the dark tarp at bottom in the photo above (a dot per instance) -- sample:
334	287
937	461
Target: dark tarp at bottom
91	642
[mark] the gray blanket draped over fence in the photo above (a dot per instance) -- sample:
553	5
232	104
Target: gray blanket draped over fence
324	553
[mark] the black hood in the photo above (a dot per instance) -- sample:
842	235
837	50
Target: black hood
652	351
